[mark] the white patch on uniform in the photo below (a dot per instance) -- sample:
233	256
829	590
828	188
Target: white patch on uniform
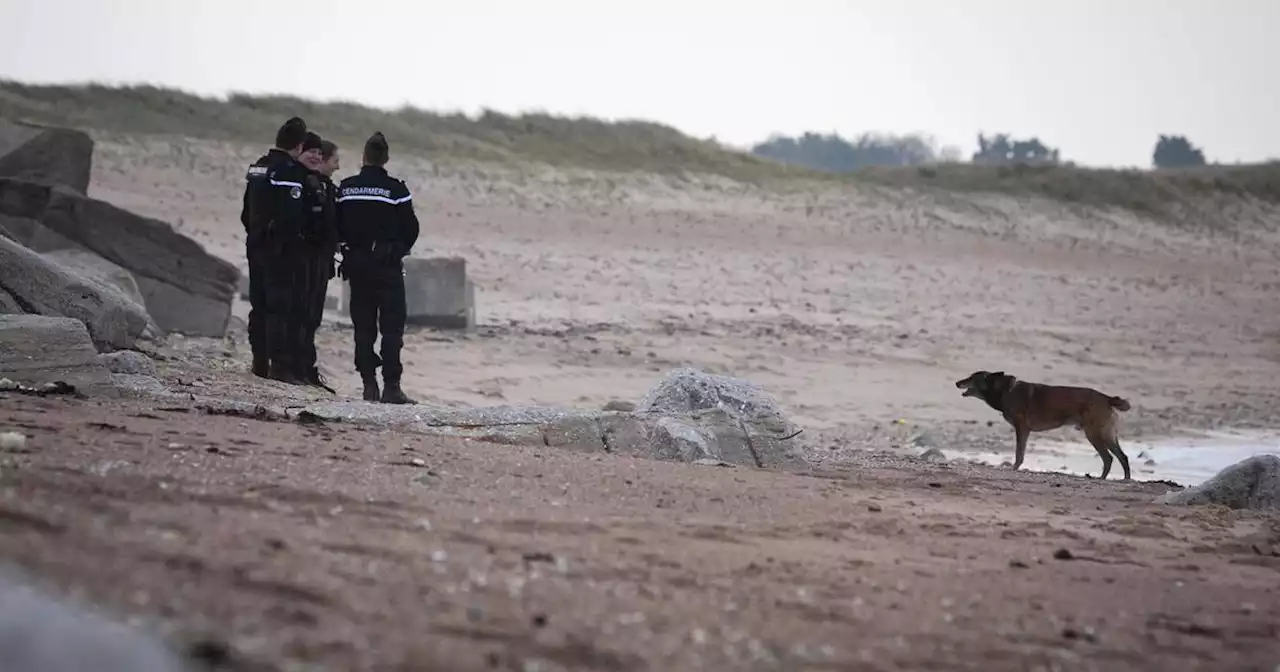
295	193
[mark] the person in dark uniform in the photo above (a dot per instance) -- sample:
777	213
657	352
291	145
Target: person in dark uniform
294	223
377	228
260	210
321	249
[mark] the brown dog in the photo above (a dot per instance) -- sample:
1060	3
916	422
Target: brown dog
1034	407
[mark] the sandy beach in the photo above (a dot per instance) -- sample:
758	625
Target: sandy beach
260	543
856	306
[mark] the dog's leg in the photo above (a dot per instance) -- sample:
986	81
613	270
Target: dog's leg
1021	432
1100	443
1113	444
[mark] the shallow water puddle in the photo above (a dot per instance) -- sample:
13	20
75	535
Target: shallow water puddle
1188	460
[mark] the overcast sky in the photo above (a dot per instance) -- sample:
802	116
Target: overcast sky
1099	79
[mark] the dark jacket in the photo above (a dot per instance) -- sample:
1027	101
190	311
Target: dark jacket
325	236
375	216
274	208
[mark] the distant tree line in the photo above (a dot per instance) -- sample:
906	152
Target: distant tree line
833	153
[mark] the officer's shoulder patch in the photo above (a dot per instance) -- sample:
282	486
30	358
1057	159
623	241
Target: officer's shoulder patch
256	173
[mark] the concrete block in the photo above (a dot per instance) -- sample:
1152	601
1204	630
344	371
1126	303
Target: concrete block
437	293
331	301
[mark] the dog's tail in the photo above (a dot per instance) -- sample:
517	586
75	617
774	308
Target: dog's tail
1118	403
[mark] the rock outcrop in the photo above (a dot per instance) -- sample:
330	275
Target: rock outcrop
689	417
41	286
36	349
46	155
186	289
707	416
1252	483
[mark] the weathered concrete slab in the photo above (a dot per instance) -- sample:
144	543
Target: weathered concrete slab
36	349
438	293
45	154
186	289
704	435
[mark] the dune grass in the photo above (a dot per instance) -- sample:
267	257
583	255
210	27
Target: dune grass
589	143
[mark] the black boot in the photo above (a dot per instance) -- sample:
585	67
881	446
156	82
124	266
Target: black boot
371	392
285	374
392	394
261	368
314	379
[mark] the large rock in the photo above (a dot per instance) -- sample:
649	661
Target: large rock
89	264
36	349
1252	483
186	289
44	287
9	305
686	390
95	267
708	416
46	155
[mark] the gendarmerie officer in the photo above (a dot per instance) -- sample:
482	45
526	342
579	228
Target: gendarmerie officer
320	250
261	209
377	228
294	221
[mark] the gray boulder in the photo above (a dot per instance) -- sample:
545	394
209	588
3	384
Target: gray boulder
687	390
1252	483
95	267
91	265
40	634
37	349
738	421
49	155
44	287
9	305
128	362
186	289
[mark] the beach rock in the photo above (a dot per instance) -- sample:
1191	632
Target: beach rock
44	287
9	305
185	288
687	390
1252	483
736	420
40	634
37	349
128	362
48	155
94	266
933	455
